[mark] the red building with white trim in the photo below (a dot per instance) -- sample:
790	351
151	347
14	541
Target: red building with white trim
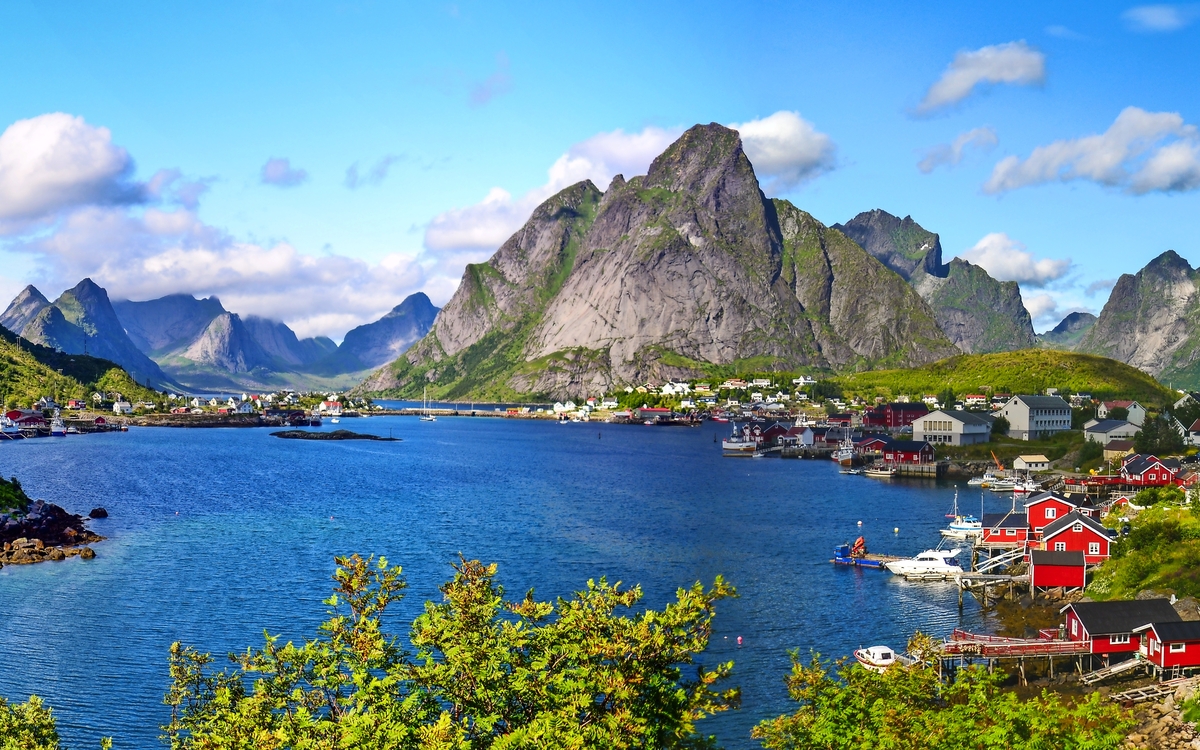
1145	470
908	452
895	415
1110	625
1005	530
1075	532
1054	569
1171	644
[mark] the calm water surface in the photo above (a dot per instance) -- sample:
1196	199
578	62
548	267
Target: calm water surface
215	535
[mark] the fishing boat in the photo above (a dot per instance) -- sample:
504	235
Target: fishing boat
932	564
9	430
425	415
846	453
58	428
740	442
879	471
876	658
962	526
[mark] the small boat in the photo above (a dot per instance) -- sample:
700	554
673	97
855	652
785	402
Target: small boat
1002	485
335	420
876	658
963	526
1026	486
846	453
852	472
9	430
58	428
984	481
880	472
425	415
932	564
72	430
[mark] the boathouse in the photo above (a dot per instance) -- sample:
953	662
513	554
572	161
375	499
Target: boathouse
1005	530
1171	644
1048	569
1045	508
1076	532
1110	626
908	452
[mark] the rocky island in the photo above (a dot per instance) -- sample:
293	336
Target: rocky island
335	435
35	531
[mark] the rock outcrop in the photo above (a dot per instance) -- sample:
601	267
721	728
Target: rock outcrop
978	313
373	344
661	276
1152	321
24	308
1069	331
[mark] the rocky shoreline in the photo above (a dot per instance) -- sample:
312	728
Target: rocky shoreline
45	532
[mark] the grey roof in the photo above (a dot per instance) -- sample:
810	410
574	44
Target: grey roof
1071	519
1106	426
1122	616
1043	402
1005	521
966	417
1048	557
1176	630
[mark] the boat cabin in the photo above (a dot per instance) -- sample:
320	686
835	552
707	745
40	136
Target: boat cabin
1077	532
1110	625
1049	569
1167	645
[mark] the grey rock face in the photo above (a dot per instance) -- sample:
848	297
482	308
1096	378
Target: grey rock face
902	245
166	323
282	344
227	345
24	308
1069	332
374	344
658	276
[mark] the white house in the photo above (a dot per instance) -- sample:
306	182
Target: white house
1137	412
122	407
1035	462
1104	430
952	427
609	403
1036	417
804	380
246	407
761	383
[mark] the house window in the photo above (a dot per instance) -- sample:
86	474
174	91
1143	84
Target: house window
1074	627
1077	528
1178	648
1010	532
1117	639
1093	548
1060	546
1051	512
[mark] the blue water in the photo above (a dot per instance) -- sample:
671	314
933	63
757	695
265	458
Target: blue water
216	534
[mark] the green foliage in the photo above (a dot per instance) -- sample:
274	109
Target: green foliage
1025	371
845	707
1001	426
12	497
1090	451
488	673
27	726
1170	494
1162	552
1158	437
1118	412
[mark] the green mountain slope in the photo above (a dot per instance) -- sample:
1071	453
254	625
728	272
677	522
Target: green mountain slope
1025	371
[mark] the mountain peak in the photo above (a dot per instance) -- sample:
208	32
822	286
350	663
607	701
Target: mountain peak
698	158
902	245
1169	263
24	308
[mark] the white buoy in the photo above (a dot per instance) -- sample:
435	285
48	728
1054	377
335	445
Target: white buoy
860	523
896	530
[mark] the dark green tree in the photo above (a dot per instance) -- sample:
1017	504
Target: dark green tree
1159	437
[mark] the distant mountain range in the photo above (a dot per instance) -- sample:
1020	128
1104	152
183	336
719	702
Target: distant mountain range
180	341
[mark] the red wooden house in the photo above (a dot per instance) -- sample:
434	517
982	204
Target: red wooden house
1075	532
843	419
908	452
1053	569
1146	470
1005	530
1045	508
1171	644
1110	625
894	416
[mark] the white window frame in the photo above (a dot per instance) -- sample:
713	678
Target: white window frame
1060	546
1119	639
1178	648
1051	513
1074	627
1010	532
1077	528
1093	548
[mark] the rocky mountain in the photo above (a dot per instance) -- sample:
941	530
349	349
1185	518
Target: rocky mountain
82	321
1152	321
978	313
1068	333
281	343
373	344
227	345
661	276
166	323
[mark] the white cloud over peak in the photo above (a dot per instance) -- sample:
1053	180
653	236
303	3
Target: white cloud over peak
950	154
786	149
1043	309
1007	260
281	173
484	226
1141	152
56	161
1160	18
1013	63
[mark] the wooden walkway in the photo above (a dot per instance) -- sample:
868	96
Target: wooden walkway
1155	691
1121	667
966	644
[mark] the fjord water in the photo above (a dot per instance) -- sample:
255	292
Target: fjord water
216	535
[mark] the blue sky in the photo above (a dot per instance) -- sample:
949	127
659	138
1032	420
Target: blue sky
176	113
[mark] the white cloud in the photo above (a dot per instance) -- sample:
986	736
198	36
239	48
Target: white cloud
484	226
1012	62
786	149
1140	152
1007	260
56	161
950	154
1043	309
1102	285
281	173
1160	18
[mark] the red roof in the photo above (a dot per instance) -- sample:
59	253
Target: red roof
1117	404
1195	426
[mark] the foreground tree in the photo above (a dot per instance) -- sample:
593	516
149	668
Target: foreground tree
488	673
845	707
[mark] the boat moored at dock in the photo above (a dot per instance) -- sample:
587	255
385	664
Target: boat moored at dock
930	565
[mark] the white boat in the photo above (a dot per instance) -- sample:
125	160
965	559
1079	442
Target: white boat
880	472
876	658
1026	486
9	430
58	428
983	481
846	453
853	472
932	564
425	415
963	526
1002	485
335	420
740	441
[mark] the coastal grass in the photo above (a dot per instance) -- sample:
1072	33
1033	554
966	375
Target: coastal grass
1161	553
1006	449
12	497
1023	371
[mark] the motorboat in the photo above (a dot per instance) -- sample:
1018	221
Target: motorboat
335	420
743	441
876	658
58	428
984	481
880	472
932	564
963	526
9	430
1002	485
851	471
1026	486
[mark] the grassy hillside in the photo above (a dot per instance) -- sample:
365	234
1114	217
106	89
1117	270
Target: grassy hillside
29	371
1024	371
